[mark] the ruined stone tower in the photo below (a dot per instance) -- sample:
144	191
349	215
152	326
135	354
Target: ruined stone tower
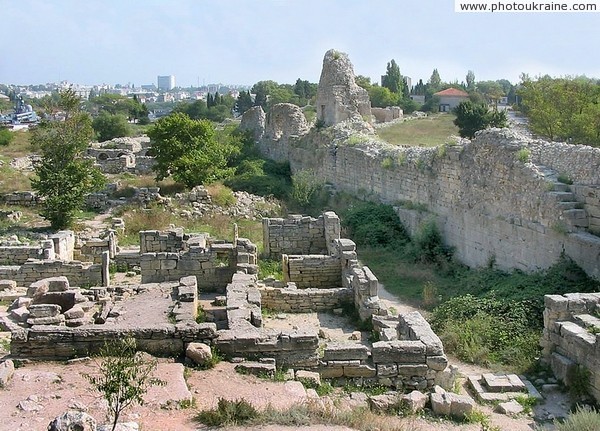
339	98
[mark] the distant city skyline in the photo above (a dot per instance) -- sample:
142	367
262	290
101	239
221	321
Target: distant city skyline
241	42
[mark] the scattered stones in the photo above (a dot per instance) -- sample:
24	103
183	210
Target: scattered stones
31	404
415	401
384	403
256	368
449	404
308	377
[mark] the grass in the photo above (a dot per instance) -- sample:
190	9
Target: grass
156	217
270	268
583	419
241	412
424	132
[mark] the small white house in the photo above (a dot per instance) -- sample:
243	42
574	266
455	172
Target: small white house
450	98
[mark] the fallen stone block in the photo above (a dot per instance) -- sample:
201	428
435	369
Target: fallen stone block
7	285
199	353
510	408
73	420
74	313
7	369
384	403
415	401
308	377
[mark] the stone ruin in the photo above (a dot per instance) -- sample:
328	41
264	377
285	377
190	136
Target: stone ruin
122	155
56	321
571	340
339	98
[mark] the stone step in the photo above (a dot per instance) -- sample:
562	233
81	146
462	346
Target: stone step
569	205
561	187
575	214
587	320
562	196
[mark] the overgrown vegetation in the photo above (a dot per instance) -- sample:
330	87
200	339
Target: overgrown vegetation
472	117
484	316
583	419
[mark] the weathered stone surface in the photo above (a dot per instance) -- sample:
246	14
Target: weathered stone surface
254	120
73	421
340	352
55	320
256	368
384	403
310	377
339	98
285	119
7	369
400	351
20	314
44	310
7	285
510	408
74	313
200	353
415	401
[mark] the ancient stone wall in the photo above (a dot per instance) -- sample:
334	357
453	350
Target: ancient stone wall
290	299
570	337
285	119
18	255
385	115
213	263
295	235
78	273
490	201
24	199
314	271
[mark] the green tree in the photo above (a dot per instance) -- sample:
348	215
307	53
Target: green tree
124	376
470	78
187	150
435	82
471	118
243	102
382	97
109	126
63	176
392	80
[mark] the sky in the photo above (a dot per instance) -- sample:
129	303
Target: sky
246	41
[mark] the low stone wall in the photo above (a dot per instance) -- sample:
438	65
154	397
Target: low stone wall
144	165
290	299
409	355
245	338
24	199
78	273
313	271
18	255
213	264
300	235
92	249
570	339
385	115
60	342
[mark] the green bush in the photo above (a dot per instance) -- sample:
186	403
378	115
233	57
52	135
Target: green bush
262	177
373	224
583	419
228	412
6	137
427	245
270	268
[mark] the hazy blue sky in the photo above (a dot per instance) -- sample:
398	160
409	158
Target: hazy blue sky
244	41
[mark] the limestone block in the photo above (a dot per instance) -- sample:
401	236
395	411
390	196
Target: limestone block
460	405
7	285
256	368
400	351
74	313
415	401
44	310
384	403
20	314
73	420
200	353
7	369
310	377
437	363
387	369
511	408
56	320
440	404
361	370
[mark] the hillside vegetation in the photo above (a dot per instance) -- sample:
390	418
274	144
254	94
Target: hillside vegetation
431	131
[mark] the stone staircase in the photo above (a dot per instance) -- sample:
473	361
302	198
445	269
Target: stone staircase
573	212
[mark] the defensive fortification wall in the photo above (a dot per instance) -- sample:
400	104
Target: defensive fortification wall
492	198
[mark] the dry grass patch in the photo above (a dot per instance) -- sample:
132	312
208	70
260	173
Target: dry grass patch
423	132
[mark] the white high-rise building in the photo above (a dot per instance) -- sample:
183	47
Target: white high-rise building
166	83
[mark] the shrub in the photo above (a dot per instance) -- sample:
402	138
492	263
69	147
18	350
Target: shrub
583	419
221	195
228	412
427	245
374	225
305	188
523	155
6	137
270	268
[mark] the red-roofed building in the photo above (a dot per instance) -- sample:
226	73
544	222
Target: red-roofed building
450	98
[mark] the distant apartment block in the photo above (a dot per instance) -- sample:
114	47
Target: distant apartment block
166	83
